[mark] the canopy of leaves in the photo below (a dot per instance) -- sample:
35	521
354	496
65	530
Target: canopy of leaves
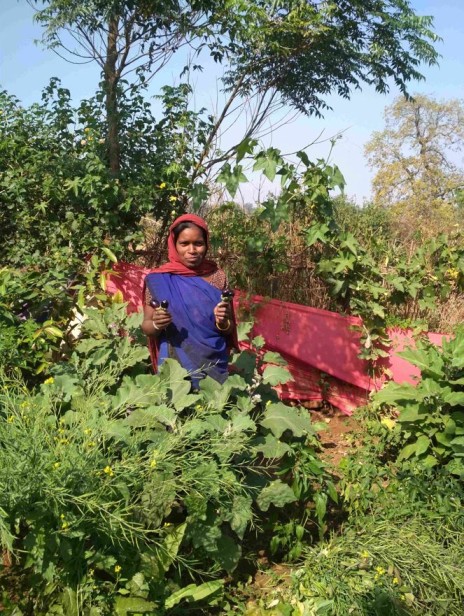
419	171
304	50
307	50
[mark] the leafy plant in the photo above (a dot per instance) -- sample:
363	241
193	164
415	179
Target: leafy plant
431	414
116	486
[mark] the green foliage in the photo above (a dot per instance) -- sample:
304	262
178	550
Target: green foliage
116	485
431	414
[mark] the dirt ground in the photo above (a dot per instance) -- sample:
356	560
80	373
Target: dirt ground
337	440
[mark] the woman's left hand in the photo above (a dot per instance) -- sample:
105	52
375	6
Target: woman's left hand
223	314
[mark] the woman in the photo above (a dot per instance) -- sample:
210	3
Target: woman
197	328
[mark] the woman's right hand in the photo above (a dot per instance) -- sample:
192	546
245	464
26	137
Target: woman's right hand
155	320
161	318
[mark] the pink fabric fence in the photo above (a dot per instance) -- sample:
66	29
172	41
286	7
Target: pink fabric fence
321	347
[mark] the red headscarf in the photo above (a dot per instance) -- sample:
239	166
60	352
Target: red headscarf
174	265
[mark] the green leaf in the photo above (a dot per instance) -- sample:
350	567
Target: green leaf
240	515
318	232
168	551
228	553
426	360
274	358
172	373
278	418
270	447
124	606
422	445
407	452
275	375
258	342
276	493
245	147
53	331
192	592
410	414
111	256
392	393
455	398
320	500
243	329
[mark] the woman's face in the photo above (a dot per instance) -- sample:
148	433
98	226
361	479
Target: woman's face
191	247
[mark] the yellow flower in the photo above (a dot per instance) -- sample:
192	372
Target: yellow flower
11	419
64	525
380	570
365	554
108	470
388	423
452	273
117	568
86	130
91	444
87	431
162	185
49	381
395	580
57	465
172	198
153	464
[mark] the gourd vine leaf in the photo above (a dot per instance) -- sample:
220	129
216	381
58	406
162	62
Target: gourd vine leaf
278	418
193	593
275	375
276	493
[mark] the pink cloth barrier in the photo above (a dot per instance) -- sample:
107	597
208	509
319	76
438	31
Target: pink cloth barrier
321	347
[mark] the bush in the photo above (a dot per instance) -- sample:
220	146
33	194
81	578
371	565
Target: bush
116	486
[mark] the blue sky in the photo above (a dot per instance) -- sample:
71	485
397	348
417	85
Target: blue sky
25	69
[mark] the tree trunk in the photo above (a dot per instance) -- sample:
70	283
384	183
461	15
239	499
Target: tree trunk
111	77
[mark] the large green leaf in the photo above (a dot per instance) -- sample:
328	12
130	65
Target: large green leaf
278	418
270	447
276	493
455	398
275	375
192	592
149	417
410	414
240	514
271	357
392	393
172	373
124	606
422	444
170	547
428	361
228	553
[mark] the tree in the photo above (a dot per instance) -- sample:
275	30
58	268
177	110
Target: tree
293	52
419	174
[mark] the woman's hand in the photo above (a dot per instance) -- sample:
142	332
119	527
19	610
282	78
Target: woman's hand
223	316
161	318
155	320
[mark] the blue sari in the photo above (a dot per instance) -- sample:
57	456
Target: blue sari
192	338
